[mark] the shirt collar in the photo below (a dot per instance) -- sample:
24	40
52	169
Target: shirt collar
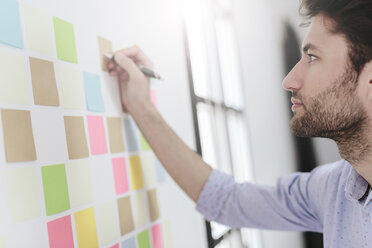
356	186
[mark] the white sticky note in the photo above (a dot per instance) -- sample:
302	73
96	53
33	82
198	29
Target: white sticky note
23	196
38	29
107	221
71	82
148	167
140	209
13	79
80	179
102	178
2	242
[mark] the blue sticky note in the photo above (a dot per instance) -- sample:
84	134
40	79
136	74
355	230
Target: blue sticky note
160	171
10	24
131	135
129	243
93	93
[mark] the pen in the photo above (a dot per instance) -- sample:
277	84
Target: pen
148	72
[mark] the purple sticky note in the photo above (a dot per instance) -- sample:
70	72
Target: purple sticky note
97	135
60	233
119	167
156	236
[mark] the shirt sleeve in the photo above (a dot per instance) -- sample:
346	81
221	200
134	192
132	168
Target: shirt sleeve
286	206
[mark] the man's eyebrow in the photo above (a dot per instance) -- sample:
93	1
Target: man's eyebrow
309	46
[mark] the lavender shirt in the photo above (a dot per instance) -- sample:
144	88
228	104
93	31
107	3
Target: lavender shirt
333	199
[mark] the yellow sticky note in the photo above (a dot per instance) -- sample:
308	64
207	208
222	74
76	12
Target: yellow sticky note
86	228
135	172
2	242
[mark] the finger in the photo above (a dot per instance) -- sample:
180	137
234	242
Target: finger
126	63
137	55
111	65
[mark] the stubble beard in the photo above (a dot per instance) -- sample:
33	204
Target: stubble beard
337	114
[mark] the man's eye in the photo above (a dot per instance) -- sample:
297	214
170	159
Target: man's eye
312	57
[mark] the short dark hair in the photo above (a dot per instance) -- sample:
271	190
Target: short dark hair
353	19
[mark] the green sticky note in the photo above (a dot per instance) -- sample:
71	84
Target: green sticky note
143	239
55	189
65	40
144	145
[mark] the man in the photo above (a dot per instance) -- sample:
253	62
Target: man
332	98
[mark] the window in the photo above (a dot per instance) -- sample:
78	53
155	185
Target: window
218	103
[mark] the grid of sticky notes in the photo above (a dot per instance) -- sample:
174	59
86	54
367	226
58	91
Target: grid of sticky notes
104	192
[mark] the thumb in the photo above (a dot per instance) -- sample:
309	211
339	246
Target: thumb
126	63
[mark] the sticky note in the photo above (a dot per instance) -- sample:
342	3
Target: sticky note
129	243
93	93
18	135
144	145
60	233
143	239
167	234
13	78
135	172
131	135
80	182
105	46
160	171
55	188
107	220
75	137
65	40
102	178
97	135
153	98
10	24
148	166
125	215
38	29
140	209
119	167
115	246
86	228
156	236
44	82
23	196
2	242
71	88
153	205
115	135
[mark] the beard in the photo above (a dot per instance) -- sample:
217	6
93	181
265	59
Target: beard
338	114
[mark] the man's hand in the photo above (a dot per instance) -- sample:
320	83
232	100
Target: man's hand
134	85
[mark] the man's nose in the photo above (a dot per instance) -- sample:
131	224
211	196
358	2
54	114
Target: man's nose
293	81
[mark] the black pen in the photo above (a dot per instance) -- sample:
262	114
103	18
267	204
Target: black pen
148	72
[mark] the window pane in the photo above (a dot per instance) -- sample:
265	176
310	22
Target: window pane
207	134
251	238
224	159
218	230
229	63
241	154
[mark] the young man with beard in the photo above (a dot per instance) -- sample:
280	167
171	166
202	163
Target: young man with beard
332	98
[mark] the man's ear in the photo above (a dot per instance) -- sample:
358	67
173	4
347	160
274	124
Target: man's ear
366	79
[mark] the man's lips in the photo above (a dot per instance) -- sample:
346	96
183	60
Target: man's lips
296	103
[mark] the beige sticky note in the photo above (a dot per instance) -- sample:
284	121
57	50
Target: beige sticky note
44	82
71	83
107	222
153	205
105	46
140	209
18	135
116	135
125	215
75	136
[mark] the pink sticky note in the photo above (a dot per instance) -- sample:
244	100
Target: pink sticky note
115	246
156	236
97	135
60	233
119	167
153	98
